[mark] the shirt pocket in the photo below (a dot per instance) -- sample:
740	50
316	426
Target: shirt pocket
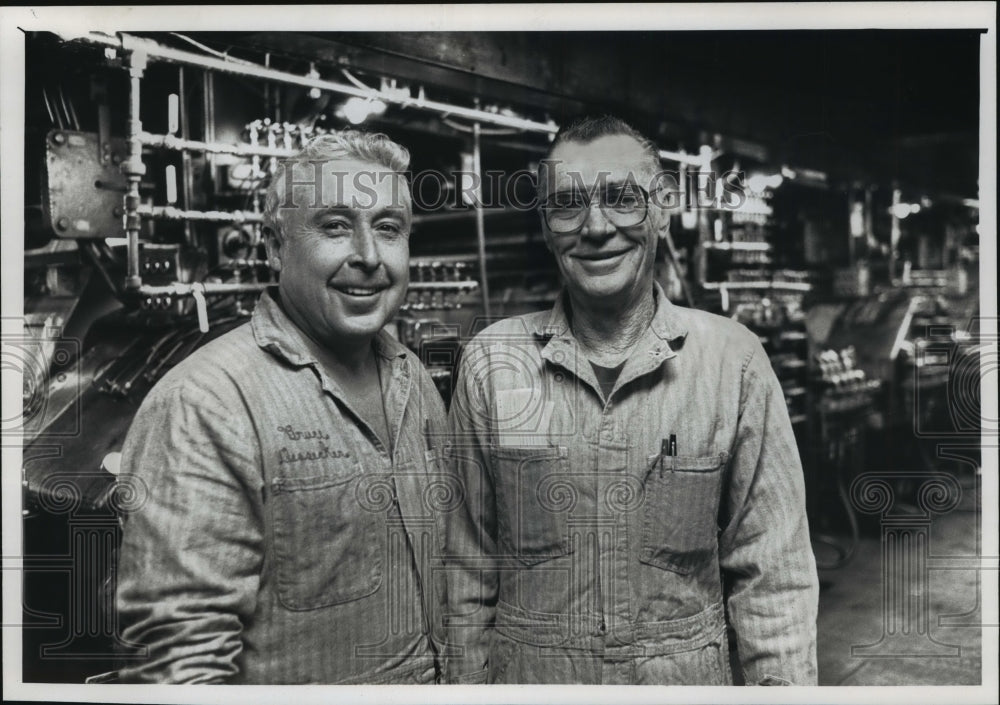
327	538
680	524
534	496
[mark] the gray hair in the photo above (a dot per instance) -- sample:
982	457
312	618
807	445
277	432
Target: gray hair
376	148
588	129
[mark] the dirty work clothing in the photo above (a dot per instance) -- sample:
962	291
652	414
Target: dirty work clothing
583	554
281	541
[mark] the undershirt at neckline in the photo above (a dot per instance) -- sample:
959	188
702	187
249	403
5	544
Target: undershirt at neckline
607	376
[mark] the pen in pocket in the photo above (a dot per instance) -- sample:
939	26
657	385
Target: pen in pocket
668	448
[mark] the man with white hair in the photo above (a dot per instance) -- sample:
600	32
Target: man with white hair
285	539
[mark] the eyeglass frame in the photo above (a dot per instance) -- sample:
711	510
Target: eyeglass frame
604	206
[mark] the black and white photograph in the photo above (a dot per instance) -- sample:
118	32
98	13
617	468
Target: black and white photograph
458	353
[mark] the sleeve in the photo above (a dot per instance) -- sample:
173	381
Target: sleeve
470	533
764	552
434	421
191	555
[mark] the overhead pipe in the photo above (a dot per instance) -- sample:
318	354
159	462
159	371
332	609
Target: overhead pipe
762	285
155	50
139	50
207	288
172	213
444	286
177	144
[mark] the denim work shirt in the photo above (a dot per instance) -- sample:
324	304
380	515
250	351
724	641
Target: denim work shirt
281	541
583	553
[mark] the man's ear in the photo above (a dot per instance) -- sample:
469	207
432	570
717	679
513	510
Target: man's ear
660	210
663	225
272	242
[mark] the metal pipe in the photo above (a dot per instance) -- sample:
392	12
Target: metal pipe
430	260
208	91
785	286
139	50
684	158
480	224
157	51
444	286
168	54
186	179
171	213
209	288
133	169
741	246
177	144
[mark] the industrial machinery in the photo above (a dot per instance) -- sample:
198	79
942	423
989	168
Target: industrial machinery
147	160
147	157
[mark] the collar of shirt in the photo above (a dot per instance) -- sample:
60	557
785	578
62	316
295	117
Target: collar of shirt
276	333
561	347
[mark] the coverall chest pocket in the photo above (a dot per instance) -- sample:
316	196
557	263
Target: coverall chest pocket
680	525
534	497
327	536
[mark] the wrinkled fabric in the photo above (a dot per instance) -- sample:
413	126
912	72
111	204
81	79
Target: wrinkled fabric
583	553
281	542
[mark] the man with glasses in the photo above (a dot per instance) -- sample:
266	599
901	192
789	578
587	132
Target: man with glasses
631	480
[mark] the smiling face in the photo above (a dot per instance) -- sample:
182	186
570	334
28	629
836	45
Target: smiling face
344	256
604	264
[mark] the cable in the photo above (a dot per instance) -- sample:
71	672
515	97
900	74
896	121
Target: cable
72	110
350	77
48	108
62	101
215	52
90	249
58	118
109	253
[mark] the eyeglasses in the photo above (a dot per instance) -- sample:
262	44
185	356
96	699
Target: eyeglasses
624	206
